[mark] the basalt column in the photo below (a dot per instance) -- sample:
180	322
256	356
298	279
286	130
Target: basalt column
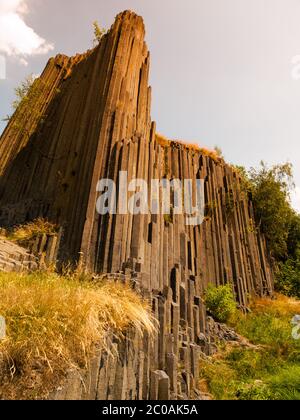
57	146
86	119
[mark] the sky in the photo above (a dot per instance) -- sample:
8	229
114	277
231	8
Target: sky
224	73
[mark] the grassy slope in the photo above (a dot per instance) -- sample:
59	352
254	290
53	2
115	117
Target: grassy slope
54	323
269	371
23	234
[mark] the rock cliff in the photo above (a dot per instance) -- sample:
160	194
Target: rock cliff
88	118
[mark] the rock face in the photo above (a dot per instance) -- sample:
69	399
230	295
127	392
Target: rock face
14	258
89	119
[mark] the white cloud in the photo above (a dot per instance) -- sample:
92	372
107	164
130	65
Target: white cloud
16	37
295	198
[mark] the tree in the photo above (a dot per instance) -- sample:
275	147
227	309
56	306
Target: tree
293	241
273	212
22	91
22	94
245	182
98	33
270	188
27	106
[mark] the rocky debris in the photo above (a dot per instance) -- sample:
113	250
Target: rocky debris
40	253
14	258
221	332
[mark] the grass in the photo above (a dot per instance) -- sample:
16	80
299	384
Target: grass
54	323
268	371
165	142
28	232
24	234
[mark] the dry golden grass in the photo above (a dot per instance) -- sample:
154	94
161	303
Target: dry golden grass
281	305
3	233
165	142
162	140
212	154
54	323
25	233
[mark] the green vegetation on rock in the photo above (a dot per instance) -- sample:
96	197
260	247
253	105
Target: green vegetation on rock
269	188
98	33
220	302
268	369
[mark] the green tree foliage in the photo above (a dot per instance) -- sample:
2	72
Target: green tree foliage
98	33
288	278
270	193
245	183
220	302
270	188
293	241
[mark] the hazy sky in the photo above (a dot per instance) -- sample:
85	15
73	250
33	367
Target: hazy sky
221	69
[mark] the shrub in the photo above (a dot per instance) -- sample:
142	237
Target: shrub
98	33
27	96
24	234
220	302
288	278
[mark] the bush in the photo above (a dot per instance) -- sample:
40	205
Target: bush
24	234
288	278
98	33
220	302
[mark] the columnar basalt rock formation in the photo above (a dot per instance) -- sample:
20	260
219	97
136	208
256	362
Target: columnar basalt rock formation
89	119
